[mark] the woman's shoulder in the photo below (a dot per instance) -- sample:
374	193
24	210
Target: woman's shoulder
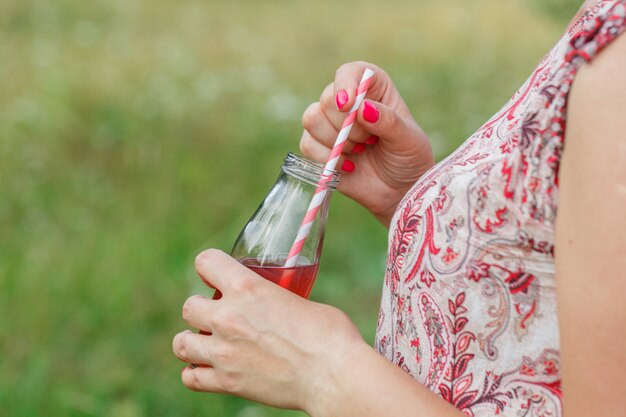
590	230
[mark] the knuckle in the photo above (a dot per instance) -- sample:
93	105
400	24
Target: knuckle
327	98
209	255
394	120
186	378
222	354
195	383
180	345
358	135
245	285
310	115
192	379
343	67
242	330
199	258
305	145
223	321
186	310
188	306
231	324
346	66
229	382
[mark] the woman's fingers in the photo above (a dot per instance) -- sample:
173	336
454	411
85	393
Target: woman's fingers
318	126
192	348
203	379
199	312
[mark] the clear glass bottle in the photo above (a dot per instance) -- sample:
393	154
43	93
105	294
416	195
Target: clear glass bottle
265	241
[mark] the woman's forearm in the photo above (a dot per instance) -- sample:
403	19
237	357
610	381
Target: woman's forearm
367	385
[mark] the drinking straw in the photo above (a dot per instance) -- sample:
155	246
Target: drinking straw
322	189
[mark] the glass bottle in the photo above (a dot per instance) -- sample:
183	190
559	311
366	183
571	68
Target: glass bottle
265	241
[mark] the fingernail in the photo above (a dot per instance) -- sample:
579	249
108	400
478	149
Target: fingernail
372	140
370	112
358	148
347	166
341	99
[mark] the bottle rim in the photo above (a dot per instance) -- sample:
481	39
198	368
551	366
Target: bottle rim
308	171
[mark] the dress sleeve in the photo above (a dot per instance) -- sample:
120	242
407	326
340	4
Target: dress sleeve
598	30
602	23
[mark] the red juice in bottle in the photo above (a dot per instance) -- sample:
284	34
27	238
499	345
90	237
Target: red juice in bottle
298	279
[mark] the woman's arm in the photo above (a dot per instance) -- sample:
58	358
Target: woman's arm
367	385
591	240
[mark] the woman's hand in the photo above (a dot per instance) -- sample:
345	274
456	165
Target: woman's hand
266	344
387	151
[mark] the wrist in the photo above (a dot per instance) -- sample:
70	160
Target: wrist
335	381
385	218
392	198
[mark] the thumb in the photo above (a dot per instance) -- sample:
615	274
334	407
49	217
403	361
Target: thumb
384	122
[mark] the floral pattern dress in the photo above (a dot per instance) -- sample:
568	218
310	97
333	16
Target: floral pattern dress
469	301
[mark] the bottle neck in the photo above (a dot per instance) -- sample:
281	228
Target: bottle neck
309	171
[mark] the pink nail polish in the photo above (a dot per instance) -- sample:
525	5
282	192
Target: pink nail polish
341	99
347	166
358	148
370	112
372	140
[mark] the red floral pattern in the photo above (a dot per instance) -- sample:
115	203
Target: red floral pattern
469	302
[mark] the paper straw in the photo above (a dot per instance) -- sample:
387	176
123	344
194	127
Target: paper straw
322	189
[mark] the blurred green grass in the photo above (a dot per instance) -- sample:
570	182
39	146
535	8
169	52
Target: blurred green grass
134	134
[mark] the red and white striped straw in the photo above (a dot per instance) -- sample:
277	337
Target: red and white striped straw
321	190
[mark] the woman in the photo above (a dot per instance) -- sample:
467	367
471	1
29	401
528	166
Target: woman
530	209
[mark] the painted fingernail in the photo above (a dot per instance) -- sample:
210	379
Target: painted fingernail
358	148
341	99
370	112
347	166
372	140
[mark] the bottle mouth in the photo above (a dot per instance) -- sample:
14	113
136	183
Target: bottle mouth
309	171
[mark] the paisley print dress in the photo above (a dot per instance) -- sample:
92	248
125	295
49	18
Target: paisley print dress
469	300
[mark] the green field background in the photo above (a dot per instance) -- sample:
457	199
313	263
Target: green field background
135	133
